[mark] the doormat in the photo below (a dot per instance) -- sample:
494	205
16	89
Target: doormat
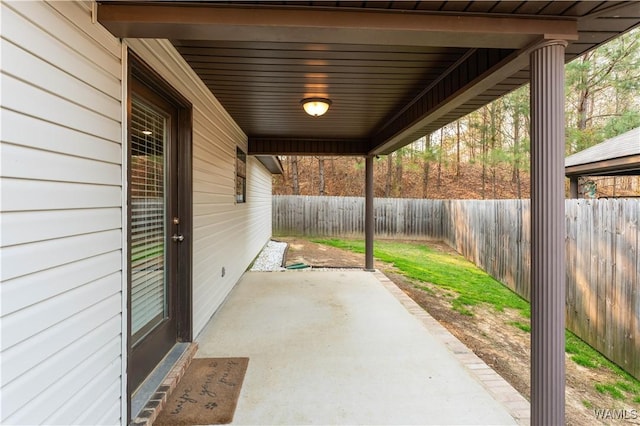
207	393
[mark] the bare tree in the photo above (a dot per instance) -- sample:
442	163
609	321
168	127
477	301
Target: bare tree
294	175
440	157
457	148
426	163
389	178
321	185
483	141
399	171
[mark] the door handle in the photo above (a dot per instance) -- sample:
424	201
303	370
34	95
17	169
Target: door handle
177	238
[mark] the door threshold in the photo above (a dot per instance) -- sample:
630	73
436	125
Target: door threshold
152	394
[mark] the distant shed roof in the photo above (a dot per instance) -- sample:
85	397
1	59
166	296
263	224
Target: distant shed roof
619	155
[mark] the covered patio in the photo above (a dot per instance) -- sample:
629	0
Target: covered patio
393	72
348	347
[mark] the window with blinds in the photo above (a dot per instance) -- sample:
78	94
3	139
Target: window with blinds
148	233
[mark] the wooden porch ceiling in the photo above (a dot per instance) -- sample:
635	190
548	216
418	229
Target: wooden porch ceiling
394	70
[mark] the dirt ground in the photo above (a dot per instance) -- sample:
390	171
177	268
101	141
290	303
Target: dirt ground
487	333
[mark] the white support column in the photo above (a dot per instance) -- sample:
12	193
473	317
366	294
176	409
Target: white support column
547	234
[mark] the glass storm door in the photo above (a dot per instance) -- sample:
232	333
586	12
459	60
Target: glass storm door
153	230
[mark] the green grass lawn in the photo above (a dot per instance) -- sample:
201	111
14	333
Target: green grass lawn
472	286
453	272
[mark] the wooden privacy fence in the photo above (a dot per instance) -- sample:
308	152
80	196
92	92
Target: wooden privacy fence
344	216
602	251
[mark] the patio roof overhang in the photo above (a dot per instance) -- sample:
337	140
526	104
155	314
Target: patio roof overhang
395	71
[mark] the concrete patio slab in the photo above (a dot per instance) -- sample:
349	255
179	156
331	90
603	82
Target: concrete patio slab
336	347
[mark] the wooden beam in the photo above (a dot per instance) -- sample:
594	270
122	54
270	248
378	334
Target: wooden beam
302	146
199	21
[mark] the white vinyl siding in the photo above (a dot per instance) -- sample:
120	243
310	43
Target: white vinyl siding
61	237
226	235
61	182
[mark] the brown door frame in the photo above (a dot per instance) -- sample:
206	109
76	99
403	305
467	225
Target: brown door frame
156	86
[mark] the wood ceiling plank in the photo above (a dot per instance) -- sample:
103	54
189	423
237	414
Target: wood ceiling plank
532	7
260	104
242	81
481	6
506	7
293	70
429	5
311	76
288	90
314	47
583	8
404	5
328	64
346	98
260	101
455	6
555	8
377	4
357	4
222	54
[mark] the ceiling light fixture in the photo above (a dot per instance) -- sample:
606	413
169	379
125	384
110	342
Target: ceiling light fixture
315	106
